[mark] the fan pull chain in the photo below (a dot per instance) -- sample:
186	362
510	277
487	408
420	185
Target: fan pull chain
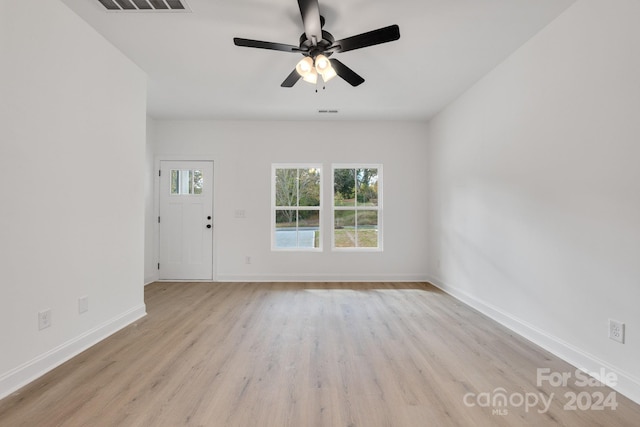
324	86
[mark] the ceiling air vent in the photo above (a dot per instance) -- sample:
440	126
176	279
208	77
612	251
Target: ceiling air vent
328	111
145	5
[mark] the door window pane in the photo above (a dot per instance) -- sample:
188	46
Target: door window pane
186	182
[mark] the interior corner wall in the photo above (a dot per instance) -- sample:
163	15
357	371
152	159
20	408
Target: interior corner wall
534	190
72	143
243	152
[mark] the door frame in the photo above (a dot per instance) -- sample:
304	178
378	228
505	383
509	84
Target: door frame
156	209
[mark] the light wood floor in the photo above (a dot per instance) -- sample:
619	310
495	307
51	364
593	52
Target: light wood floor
303	355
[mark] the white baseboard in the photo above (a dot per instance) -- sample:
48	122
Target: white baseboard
35	368
627	384
321	278
151	279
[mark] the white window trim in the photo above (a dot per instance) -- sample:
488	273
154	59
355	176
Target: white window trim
379	208
275	166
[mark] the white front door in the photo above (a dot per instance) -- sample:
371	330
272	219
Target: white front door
186	220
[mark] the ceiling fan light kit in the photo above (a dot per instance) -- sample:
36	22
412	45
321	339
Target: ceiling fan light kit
317	45
310	68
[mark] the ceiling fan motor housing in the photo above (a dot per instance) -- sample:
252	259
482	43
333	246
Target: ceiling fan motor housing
308	49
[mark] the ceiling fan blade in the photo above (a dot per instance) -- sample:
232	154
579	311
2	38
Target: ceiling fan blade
291	79
346	73
266	45
371	38
310	12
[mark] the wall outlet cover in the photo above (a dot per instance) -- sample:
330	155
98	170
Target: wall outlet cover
44	319
616	330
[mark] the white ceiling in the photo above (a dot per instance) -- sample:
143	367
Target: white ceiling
196	72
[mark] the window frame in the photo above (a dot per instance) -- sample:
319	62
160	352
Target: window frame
275	208
378	208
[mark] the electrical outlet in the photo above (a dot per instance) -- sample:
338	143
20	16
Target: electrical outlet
247	260
83	304
616	331
44	319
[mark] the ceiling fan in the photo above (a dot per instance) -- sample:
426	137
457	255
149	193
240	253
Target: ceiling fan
317	45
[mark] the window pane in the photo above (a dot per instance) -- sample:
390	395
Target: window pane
309	229
297	201
344	187
197	182
286	187
186	181
308	218
356	202
286	219
297	229
367	187
286	229
175	178
309	180
367	231
344	229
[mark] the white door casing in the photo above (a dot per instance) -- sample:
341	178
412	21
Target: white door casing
186	220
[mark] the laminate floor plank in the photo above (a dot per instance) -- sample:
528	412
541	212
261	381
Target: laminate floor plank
304	355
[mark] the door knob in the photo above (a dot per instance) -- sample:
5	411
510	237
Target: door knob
208	225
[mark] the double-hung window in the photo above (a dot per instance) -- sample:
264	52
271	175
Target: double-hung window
296	207
357	207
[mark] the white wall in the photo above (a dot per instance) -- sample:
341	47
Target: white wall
243	152
150	222
72	134
535	184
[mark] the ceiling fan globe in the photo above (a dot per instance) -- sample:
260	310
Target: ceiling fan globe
322	64
311	76
305	66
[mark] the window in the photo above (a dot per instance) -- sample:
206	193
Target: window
186	182
296	207
357	207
